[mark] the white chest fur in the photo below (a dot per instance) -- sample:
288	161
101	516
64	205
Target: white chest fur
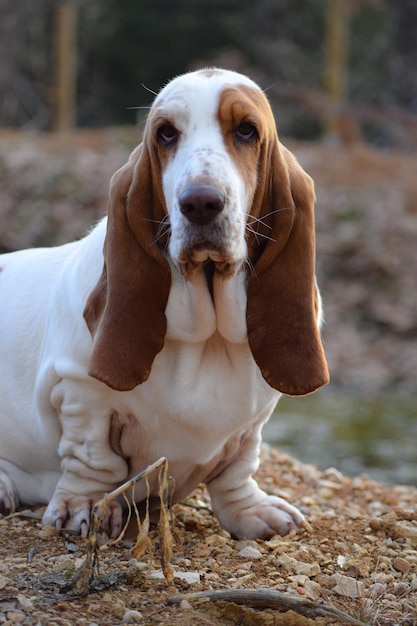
205	390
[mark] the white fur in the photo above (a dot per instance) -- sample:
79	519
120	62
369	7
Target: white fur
192	101
205	401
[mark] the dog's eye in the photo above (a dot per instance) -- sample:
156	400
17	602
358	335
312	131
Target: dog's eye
247	132
167	135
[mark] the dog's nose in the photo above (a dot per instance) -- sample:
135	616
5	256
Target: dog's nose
201	203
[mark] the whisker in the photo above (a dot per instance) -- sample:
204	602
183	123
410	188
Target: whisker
284	208
163	221
260	219
257	220
163	229
257	234
253	231
161	233
149	89
137	108
251	267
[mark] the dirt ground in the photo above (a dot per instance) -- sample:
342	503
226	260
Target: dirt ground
360	558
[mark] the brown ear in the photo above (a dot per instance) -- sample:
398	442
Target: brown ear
125	312
282	293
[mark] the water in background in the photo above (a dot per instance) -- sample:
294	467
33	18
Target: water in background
372	435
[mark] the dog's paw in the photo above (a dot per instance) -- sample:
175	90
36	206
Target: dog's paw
8	496
270	516
73	513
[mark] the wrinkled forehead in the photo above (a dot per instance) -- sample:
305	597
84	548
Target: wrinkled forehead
200	90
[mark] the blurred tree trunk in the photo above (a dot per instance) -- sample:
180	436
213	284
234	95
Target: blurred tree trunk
336	63
65	88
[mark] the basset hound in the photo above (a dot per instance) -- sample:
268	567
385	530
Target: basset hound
173	327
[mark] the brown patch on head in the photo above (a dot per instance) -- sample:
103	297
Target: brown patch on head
242	104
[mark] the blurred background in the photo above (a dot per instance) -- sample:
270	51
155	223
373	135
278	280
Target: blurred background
341	76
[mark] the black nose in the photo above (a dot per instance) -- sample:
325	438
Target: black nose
201	203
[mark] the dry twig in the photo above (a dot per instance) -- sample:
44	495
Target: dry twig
268	599
89	569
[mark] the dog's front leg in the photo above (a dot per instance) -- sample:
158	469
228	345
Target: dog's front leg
90	468
241	506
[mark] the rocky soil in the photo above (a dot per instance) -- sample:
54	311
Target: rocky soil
360	559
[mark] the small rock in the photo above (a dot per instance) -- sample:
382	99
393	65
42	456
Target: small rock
375	524
376	590
15	618
356	567
184	604
408	531
400	564
288	562
132	617
24	602
250	553
190	577
71	547
216	541
400	589
347	586
300	579
140	566
312	589
380	577
4	581
307	569
48	532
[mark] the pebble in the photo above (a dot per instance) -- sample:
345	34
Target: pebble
15	618
376	590
132	617
307	569
250	553
347	586
48	532
24	602
184	604
380	577
312	589
408	531
300	579
216	540
401	589
4	581
190	577
288	562
400	564
375	524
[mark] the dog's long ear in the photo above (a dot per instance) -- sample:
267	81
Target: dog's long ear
125	312
282	307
